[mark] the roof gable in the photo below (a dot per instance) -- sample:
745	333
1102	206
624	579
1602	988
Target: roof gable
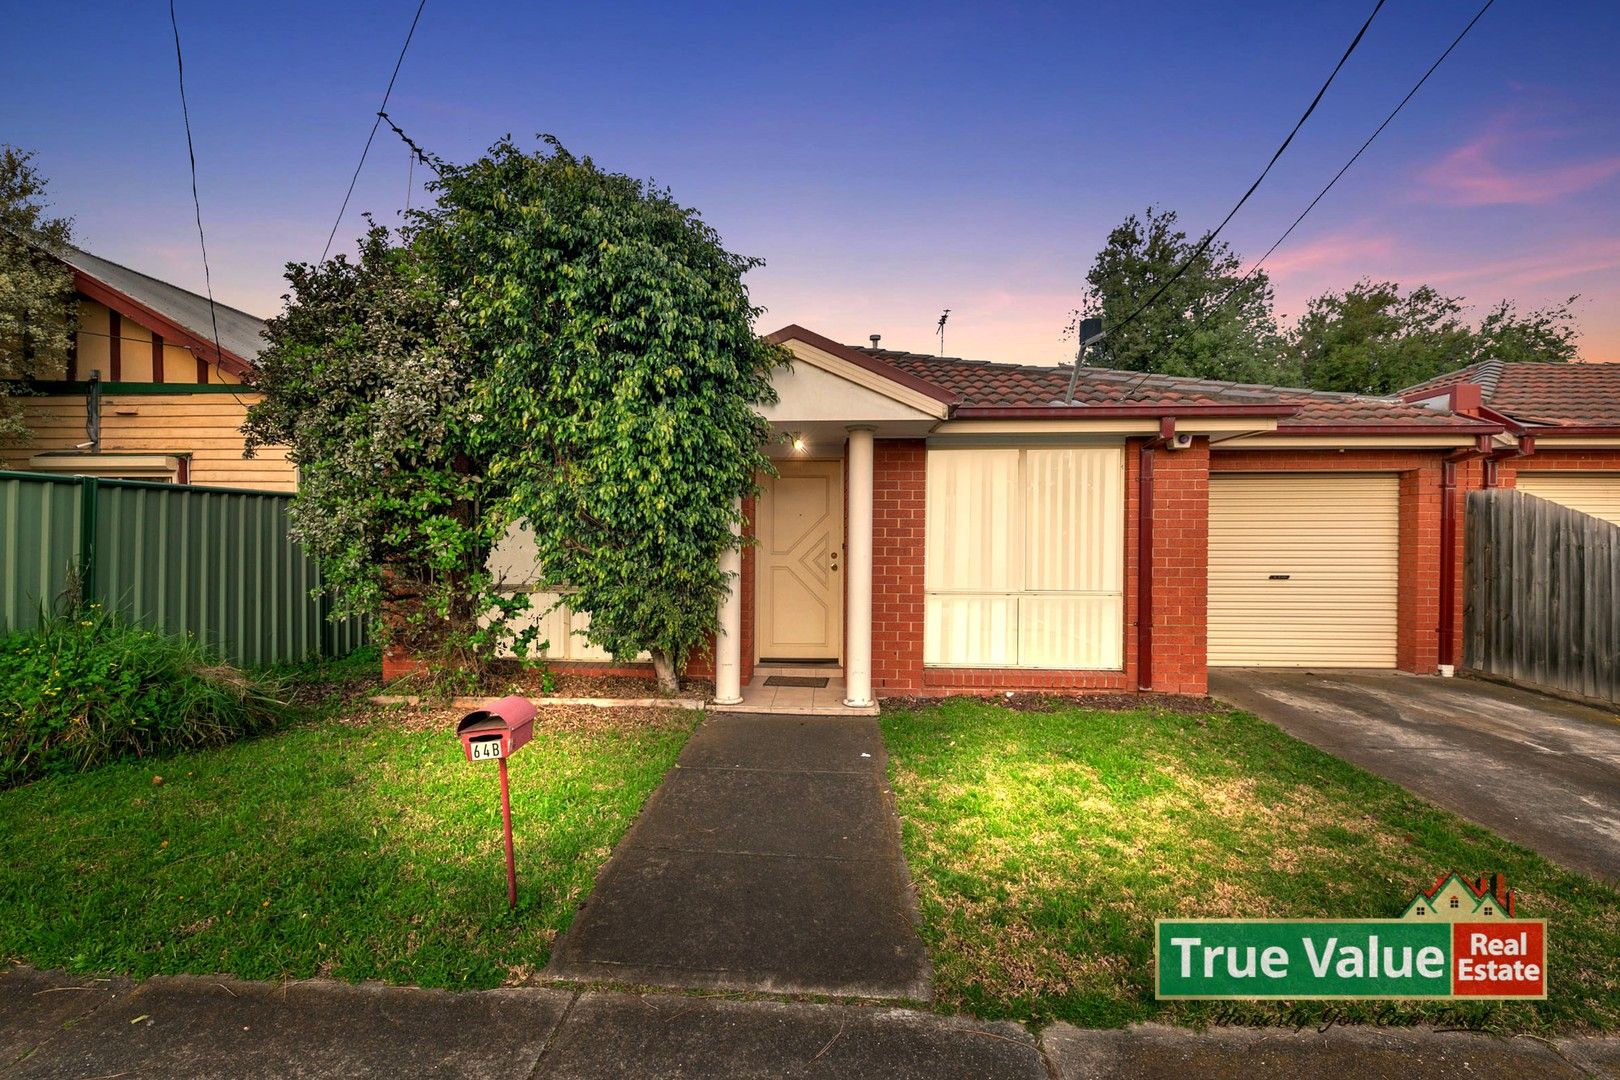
181	316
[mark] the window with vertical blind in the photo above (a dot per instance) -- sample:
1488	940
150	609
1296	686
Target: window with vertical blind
1025	558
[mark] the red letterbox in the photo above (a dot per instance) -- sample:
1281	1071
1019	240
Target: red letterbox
494	732
497	729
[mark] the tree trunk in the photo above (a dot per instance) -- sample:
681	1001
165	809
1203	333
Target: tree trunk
669	682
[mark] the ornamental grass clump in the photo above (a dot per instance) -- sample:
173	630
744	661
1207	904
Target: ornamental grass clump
86	689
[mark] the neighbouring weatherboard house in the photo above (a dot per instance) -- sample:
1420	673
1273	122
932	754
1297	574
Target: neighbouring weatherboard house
941	525
146	395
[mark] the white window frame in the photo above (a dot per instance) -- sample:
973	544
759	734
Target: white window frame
1019	543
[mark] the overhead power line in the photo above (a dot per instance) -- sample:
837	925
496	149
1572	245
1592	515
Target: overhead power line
1346	167
1209	238
196	202
375	124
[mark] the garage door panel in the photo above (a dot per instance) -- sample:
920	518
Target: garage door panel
1597	494
1303	570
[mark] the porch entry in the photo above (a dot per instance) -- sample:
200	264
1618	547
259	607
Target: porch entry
800	526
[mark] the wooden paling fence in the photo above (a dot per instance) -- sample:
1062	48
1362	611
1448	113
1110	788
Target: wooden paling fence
1542	592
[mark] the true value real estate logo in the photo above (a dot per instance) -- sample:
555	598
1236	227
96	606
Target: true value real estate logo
1459	939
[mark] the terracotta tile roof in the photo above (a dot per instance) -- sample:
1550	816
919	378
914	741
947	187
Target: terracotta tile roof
982	383
1554	395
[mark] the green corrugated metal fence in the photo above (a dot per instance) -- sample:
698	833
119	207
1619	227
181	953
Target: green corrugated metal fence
216	563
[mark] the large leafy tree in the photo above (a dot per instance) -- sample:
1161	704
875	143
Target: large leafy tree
1375	337
367	379
1212	322
618	412
37	316
549	344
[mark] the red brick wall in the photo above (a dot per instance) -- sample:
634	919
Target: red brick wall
1180	569
1550	460
899	483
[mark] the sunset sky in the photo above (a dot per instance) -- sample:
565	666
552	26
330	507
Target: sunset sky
887	160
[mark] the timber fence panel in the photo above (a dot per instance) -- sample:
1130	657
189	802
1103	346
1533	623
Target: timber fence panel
1541	584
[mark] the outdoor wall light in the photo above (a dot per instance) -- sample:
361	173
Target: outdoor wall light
798	444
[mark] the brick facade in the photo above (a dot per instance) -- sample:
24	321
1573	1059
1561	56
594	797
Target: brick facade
1180	559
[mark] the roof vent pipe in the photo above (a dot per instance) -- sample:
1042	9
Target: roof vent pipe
875	339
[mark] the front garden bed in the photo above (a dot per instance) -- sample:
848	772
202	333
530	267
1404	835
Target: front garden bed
1043	842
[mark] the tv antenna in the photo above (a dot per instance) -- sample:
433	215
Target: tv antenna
940	330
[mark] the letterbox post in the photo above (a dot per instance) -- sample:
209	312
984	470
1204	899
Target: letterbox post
498	729
506	820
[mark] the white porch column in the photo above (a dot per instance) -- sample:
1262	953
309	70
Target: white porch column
728	642
858	565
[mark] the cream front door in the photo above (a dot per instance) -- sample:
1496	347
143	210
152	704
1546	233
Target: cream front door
801	547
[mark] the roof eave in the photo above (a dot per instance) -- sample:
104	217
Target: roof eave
795	332
1553	431
1376	428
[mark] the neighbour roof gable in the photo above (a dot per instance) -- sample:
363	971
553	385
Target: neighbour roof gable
1551	396
181	316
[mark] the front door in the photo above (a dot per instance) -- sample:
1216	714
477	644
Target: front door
801	546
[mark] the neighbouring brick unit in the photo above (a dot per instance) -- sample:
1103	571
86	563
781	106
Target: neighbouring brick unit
1595	459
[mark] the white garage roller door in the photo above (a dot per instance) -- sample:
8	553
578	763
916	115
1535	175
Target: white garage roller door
1597	494
1303	570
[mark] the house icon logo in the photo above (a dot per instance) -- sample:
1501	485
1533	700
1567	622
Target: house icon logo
1454	898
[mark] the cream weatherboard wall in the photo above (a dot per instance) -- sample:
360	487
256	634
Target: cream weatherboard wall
1303	570
1025	558
204	427
1597	494
515	567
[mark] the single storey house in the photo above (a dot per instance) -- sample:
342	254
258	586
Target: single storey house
146	394
941	525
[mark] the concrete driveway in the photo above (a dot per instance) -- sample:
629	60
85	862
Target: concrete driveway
1537	770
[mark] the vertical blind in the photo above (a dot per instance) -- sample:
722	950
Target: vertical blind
1025	558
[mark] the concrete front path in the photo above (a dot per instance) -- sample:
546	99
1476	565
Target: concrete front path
1536	769
56	1026
769	860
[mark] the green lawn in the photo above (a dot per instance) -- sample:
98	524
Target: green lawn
361	848
1044	844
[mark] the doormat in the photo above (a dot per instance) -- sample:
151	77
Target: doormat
796	680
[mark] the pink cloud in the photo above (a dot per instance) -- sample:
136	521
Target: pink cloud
1474	175
1345	248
